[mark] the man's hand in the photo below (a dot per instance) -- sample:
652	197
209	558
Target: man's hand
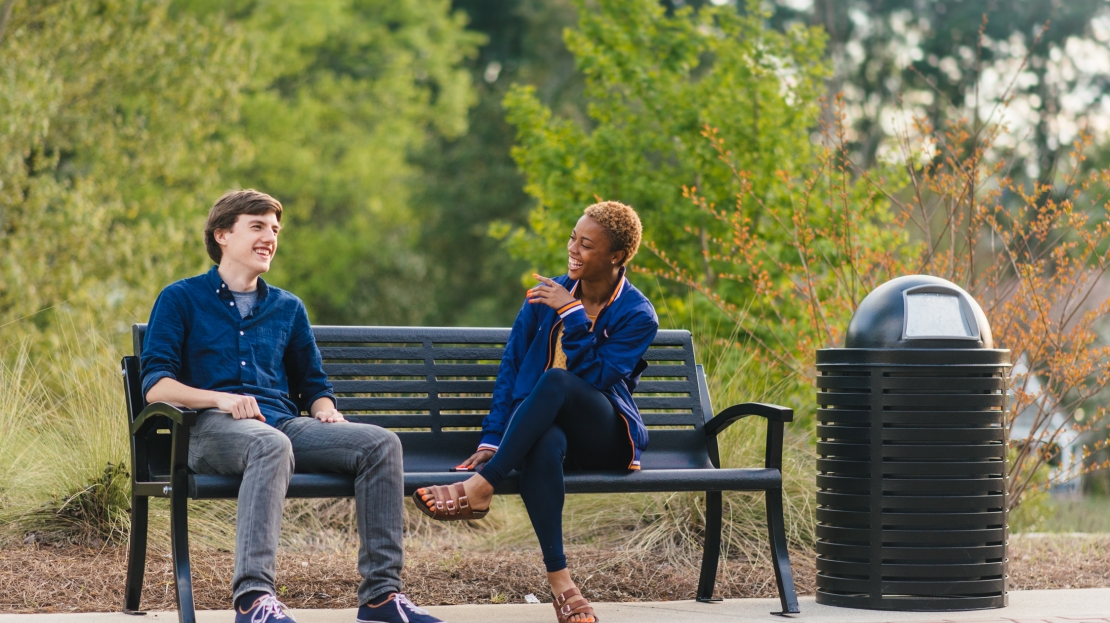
478	459
329	414
549	293
323	409
239	406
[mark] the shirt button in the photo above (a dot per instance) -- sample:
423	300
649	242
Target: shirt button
241	333
242	363
232	303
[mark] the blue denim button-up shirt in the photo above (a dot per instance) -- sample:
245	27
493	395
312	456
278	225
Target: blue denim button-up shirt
197	337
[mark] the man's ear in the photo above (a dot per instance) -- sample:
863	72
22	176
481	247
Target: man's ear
220	236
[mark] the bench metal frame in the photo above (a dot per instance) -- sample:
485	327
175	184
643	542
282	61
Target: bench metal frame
432	386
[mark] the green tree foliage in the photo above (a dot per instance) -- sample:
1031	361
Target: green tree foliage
343	93
125	119
938	58
654	82
471	181
108	151
708	122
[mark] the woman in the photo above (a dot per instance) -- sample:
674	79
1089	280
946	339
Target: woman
563	395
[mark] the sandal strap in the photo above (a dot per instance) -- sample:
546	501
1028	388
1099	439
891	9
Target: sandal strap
460	497
442	507
450	500
585	608
445	501
565	596
566	605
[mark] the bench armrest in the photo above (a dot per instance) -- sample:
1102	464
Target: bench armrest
776	417
724	419
182	417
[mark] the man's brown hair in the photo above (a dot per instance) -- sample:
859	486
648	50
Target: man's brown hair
228	208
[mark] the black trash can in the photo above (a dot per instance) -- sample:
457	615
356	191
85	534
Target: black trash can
911	484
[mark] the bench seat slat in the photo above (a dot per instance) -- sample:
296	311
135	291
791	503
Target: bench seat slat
467	353
412	403
672	337
665	354
656	370
451	386
415	353
402	421
669	387
374	369
381	387
685	403
412	420
666	419
465	369
210	486
389	404
399	422
333	333
373	353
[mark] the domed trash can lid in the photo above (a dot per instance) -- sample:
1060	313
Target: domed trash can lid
919	311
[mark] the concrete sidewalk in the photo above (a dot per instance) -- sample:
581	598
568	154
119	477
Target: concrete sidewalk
1089	605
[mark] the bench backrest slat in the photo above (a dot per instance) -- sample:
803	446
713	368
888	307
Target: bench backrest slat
433	386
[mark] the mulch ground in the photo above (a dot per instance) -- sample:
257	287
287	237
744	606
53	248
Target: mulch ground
44	578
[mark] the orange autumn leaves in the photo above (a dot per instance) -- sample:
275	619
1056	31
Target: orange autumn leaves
788	266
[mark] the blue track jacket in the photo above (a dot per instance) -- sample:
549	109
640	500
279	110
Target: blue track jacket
610	357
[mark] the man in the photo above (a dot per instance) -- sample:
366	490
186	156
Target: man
242	352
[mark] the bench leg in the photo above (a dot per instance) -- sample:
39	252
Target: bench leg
136	555
776	530
179	544
712	553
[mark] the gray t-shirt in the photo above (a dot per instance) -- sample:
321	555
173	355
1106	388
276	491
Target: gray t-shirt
245	302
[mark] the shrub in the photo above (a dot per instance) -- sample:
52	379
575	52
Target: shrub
1034	257
653	80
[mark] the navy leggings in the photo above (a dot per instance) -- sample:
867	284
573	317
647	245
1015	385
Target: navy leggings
564	419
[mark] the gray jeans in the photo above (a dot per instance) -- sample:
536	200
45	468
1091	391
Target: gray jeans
267	456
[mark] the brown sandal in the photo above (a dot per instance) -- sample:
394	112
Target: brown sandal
564	610
450	503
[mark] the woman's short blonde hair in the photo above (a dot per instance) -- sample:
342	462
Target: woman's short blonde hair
621	223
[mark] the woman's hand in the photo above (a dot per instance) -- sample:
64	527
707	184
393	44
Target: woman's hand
478	459
549	293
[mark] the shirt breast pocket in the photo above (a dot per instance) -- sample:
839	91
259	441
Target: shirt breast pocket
269	350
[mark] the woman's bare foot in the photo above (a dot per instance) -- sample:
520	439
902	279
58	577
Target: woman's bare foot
479	493
561	582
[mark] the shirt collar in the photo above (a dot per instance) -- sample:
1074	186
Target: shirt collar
216	282
618	289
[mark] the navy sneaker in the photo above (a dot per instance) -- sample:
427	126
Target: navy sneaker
394	609
265	609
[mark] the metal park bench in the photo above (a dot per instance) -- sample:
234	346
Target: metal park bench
432	386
